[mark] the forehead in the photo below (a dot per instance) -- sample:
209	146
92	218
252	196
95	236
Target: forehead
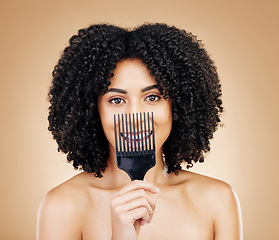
131	73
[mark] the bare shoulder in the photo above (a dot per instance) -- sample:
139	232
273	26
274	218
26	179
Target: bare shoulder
218	199
62	209
204	186
213	194
67	194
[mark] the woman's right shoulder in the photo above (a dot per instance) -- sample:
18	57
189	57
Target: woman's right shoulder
63	207
67	194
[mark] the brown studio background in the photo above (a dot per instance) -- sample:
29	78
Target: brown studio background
242	37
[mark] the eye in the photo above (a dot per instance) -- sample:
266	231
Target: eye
116	101
153	98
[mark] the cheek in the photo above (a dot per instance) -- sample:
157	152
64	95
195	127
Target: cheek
164	114
164	122
167	124
107	122
108	128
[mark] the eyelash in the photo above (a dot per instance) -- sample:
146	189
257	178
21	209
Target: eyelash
120	100
154	95
114	99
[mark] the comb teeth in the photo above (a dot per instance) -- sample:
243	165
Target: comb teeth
134	134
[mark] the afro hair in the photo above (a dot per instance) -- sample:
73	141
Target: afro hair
181	67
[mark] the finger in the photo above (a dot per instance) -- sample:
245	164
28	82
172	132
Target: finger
137	184
129	196
142	222
137	214
139	203
125	203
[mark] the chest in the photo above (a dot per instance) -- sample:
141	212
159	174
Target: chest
174	218
178	218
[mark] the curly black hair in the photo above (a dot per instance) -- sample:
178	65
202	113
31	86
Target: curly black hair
181	67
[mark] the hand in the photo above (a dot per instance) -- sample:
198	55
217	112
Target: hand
131	208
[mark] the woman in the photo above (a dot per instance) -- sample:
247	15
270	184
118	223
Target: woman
108	70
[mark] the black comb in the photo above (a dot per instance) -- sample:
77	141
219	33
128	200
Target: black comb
135	143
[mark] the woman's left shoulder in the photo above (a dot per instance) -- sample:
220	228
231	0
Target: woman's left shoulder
216	200
207	189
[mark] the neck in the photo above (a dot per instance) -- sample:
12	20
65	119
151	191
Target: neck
157	174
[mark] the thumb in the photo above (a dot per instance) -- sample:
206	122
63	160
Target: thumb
137	227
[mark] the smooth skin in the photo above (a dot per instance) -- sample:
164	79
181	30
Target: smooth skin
186	206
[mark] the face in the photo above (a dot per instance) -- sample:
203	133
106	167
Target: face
134	90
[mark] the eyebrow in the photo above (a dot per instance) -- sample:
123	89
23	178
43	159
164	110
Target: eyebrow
149	88
119	90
